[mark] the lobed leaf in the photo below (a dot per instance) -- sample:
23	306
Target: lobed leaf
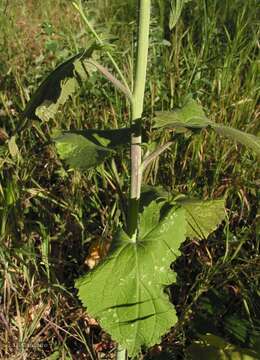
126	292
192	116
80	153
203	217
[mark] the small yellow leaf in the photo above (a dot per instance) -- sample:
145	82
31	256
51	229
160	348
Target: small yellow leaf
13	148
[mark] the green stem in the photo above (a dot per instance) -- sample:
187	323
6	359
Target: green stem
137	110
121	354
92	30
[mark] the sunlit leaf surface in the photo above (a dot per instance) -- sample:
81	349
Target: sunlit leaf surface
192	116
58	86
203	217
126	292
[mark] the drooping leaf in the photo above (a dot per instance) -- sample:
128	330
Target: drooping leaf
79	152
58	86
125	292
215	348
203	217
83	149
249	140
192	116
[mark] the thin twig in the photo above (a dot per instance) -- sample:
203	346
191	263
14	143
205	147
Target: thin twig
155	154
111	78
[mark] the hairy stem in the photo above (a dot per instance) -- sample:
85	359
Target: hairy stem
137	110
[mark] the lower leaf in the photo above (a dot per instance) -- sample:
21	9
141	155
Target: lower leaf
125	293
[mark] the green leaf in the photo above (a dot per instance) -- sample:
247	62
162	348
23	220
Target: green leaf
150	193
84	149
203	217
58	86
192	116
79	152
175	13
242	330
249	140
13	148
126	292
215	348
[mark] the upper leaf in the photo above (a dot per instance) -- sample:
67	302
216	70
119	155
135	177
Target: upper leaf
249	140
79	152
58	86
192	116
84	149
125	292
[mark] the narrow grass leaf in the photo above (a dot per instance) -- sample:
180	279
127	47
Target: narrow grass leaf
13	148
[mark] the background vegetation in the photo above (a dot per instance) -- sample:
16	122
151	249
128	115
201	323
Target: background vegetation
55	223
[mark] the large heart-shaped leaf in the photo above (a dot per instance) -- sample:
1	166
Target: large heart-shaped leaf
83	149
58	86
192	116
125	293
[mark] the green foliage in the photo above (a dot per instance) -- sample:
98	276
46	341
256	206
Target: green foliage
84	149
192	116
79	152
129	284
203	217
176	10
215	348
58	86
